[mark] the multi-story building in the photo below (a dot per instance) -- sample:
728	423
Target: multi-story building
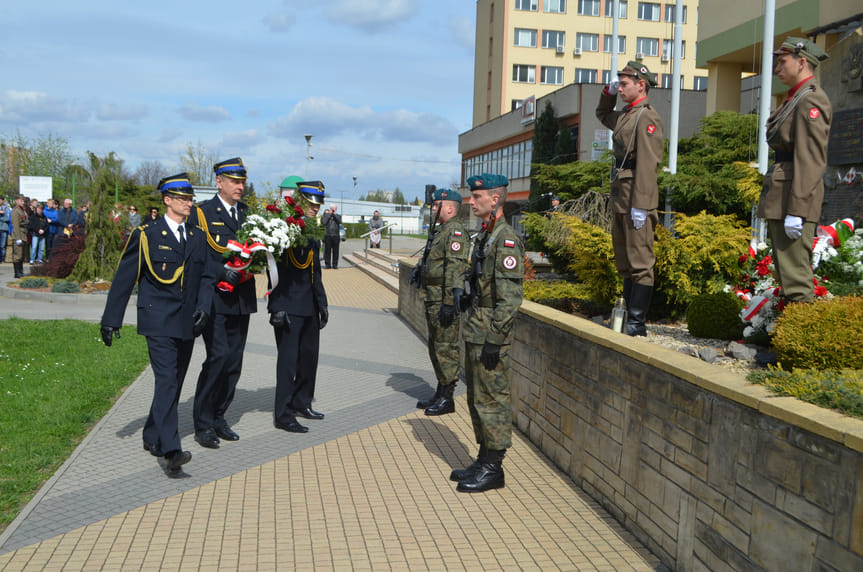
533	47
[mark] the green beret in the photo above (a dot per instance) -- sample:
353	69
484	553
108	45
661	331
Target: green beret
638	70
290	182
446	195
804	48
486	181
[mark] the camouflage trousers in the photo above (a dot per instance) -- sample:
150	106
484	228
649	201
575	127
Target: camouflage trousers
443	345
488	398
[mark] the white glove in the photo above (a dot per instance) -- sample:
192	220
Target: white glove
17	243
611	89
638	217
793	227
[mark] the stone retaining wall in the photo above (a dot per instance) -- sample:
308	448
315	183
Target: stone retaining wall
708	471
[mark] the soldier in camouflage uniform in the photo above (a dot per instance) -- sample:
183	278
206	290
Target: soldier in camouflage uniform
495	278
444	269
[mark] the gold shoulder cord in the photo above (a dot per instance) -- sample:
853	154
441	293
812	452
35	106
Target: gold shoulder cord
146	254
202	224
304	265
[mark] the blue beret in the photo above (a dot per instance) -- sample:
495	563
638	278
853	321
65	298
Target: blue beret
178	184
232	168
487	181
312	190
446	195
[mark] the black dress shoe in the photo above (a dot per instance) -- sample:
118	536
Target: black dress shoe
310	413
177	459
293	427
151	448
225	432
207	439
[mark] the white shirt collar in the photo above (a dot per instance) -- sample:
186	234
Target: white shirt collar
226	205
174	226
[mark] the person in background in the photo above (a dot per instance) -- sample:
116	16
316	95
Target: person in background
154	214
134	217
19	225
67	218
50	212
38	227
332	223
5	214
375	224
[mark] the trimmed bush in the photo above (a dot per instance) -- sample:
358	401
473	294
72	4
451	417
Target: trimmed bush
65	287
823	335
841	390
33	283
562	295
715	316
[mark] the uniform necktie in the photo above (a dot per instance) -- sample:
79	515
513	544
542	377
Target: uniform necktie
182	238
234	213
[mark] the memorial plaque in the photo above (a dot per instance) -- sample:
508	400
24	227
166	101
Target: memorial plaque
845	146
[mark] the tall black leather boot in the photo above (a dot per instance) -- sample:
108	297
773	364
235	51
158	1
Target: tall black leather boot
641	294
19	269
462	474
444	403
424	403
489	475
627	291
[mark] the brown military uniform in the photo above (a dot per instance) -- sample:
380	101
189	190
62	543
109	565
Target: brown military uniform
797	131
20	221
638	150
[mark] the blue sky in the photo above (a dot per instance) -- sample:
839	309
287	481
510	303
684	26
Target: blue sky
384	86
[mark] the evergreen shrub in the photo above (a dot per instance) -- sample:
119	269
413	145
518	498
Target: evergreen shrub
716	316
841	390
823	335
33	283
65	287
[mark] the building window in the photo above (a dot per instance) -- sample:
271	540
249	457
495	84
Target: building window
666	80
623	8
558	6
525	38
699	83
670	10
621	44
516	104
648	11
552	39
606	76
668	49
528	5
587	42
552	75
647	46
523	73
583	75
588	7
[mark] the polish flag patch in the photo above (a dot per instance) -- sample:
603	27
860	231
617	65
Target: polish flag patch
457	233
509	243
814	113
651	129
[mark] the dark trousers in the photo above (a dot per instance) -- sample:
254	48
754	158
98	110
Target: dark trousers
331	251
296	366
3	240
169	358
225	336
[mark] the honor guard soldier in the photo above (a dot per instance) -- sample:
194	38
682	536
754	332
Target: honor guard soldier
298	311
234	299
794	188
167	259
20	221
492	300
443	268
634	192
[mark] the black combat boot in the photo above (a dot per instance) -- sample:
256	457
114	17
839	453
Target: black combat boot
638	306
489	475
424	403
444	403
462	474
19	269
627	291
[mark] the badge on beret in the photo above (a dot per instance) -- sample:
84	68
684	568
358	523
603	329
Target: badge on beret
509	243
455	246
814	113
509	262
651	129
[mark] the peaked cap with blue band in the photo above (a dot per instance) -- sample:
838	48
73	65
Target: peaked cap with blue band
232	168
313	191
446	195
487	181
178	184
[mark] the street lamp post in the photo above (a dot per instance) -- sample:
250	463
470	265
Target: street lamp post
308	153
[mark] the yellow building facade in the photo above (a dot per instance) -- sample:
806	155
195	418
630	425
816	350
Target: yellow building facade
533	47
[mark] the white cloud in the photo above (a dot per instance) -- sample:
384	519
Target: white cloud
36	107
209	114
114	112
236	141
326	117
370	15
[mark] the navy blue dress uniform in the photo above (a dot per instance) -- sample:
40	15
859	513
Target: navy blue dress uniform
227	330
298	311
175	290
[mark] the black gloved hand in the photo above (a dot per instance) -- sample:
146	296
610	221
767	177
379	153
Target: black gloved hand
231	276
417	274
200	323
324	315
446	315
280	320
107	332
460	301
490	355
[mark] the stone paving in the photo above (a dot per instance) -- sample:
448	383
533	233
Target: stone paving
367	488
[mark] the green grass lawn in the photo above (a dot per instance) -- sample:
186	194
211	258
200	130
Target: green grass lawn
57	380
